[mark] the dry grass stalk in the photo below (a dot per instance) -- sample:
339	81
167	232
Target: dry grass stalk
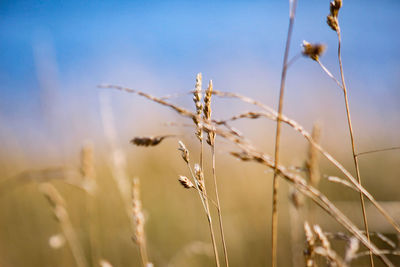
275	182
270	114
211	141
310	241
89	182
117	156
312	163
296	215
326	250
314	194
197	98
377	150
338	180
149	140
198	177
302	131
333	22
139	222
310	192
60	212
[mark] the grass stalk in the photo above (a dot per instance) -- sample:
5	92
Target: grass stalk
207	110
275	182
271	114
139	222
219	205
58	205
353	146
197	98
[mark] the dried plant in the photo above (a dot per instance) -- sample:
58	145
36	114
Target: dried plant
139	222
149	140
60	212
317	241
275	183
313	51
185	182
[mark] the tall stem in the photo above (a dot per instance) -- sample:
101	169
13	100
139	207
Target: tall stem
353	147
208	208
218	204
275	185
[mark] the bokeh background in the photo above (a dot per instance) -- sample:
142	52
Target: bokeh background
55	53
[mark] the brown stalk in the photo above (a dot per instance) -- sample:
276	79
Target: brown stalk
308	136
197	98
275	185
314	194
139	222
309	191
353	146
89	182
377	150
238	139
333	22
58	205
211	141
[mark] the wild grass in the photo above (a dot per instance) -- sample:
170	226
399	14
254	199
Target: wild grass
319	244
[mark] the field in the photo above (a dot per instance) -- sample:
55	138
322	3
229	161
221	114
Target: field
298	168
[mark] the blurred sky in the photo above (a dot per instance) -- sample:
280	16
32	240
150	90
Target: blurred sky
60	50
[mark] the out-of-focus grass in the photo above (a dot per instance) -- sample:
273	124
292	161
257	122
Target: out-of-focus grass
175	220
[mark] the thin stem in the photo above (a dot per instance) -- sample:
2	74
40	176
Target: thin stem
377	150
209	214
275	186
329	74
353	146
204	201
293	60
218	204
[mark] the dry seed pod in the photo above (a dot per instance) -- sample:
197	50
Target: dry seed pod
185	182
313	51
199	176
334	7
185	152
207	113
197	96
332	22
149	140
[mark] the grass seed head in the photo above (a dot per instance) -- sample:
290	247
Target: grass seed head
185	152
313	51
197	97
185	182
332	22
149	140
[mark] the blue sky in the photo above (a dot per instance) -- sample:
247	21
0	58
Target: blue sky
66	48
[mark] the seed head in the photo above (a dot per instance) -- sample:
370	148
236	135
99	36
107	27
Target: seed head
185	152
185	182
332	22
313	51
